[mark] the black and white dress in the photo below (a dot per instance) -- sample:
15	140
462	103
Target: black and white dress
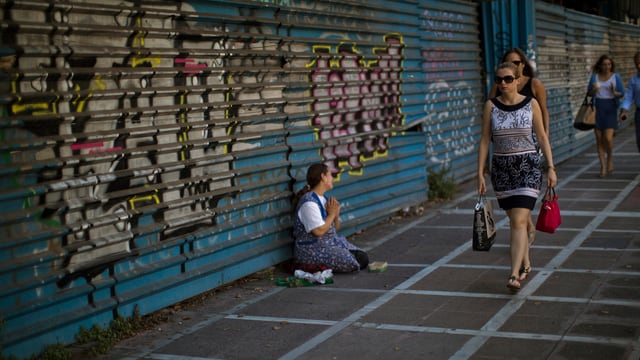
516	173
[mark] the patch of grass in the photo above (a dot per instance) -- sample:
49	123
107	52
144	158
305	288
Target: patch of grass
441	185
53	352
101	340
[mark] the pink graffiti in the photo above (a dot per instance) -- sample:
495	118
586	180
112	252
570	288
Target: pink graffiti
81	146
357	100
190	64
106	150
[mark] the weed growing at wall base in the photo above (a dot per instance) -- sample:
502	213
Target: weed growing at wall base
50	352
441	185
102	340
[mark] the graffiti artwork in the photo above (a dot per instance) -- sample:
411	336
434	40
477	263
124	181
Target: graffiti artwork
356	101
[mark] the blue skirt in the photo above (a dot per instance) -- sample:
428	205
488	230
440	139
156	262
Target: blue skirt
606	114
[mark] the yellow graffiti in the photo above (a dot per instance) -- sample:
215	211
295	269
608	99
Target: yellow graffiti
318	49
79	102
183	135
34	108
155	61
138	42
138	39
227	115
137	198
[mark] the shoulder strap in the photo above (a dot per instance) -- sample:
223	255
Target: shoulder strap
323	211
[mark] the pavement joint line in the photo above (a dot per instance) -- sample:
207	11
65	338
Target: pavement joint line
359	290
585	301
617	231
548	269
601	249
564	213
561	228
277	319
177	357
433	329
482	295
503	334
474	344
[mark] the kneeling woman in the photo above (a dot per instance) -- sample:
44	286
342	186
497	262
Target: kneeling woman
315	225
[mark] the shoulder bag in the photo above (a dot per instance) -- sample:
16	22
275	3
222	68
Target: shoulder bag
484	225
549	217
586	117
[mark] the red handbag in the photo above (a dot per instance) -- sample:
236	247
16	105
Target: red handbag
549	217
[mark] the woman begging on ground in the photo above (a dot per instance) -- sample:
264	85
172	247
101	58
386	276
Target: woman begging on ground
530	86
516	175
606	87
316	221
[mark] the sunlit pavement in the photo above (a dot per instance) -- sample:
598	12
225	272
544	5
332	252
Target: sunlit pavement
438	299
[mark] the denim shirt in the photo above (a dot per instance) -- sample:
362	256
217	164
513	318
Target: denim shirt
632	95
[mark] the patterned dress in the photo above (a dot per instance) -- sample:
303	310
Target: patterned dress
515	165
330	250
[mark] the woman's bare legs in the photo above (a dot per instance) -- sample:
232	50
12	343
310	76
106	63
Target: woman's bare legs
600	143
518	219
607	140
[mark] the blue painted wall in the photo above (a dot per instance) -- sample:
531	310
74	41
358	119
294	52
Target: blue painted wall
149	153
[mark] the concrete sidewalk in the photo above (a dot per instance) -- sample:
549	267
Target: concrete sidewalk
438	299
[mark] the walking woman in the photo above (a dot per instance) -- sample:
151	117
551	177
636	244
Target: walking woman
606	87
516	175
529	85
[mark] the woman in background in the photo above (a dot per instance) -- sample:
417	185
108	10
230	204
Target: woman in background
606	87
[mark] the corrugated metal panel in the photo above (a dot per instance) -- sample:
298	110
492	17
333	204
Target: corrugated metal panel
453	86
144	159
507	24
554	70
151	148
624	44
362	99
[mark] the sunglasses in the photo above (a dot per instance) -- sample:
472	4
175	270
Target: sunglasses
516	63
507	79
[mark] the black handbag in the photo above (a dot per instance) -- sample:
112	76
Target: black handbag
484	225
586	117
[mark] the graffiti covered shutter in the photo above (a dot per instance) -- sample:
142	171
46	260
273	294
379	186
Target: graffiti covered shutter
452	80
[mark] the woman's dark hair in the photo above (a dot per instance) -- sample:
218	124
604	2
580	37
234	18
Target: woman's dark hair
528	69
314	176
511	66
597	68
